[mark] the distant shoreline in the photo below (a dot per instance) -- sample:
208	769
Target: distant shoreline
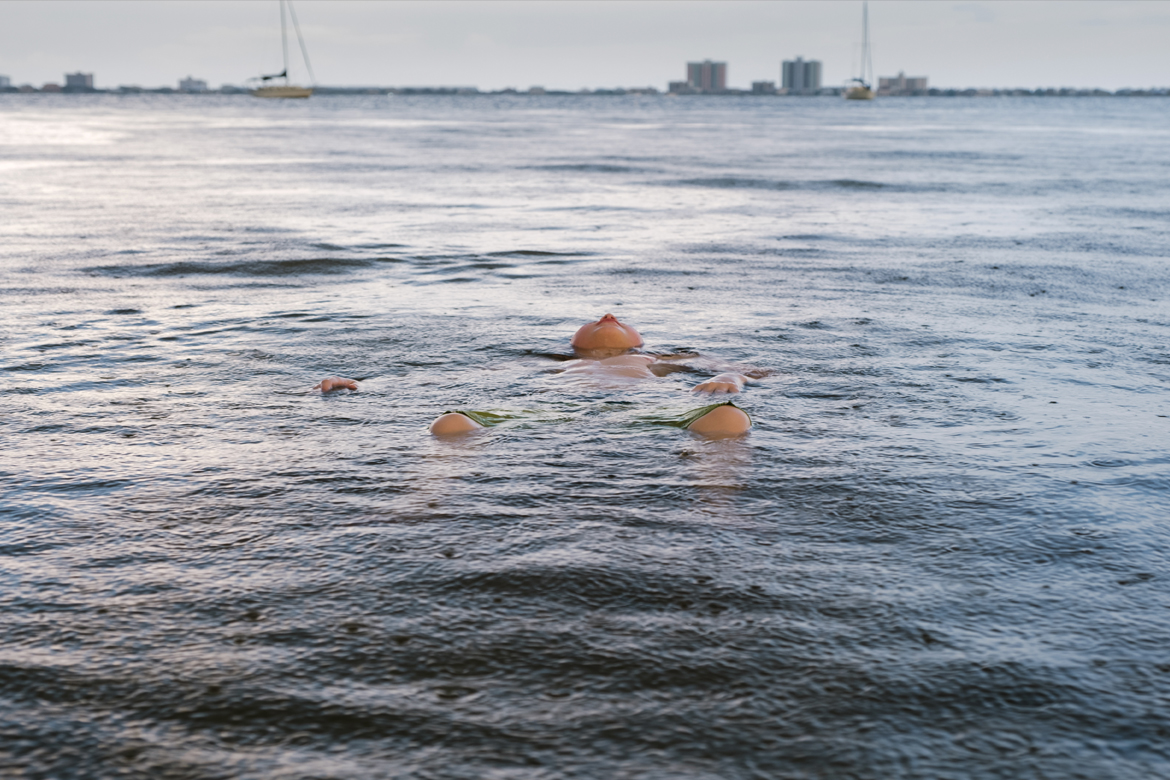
645	92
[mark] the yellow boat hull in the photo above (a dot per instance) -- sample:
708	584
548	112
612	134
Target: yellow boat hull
859	93
282	92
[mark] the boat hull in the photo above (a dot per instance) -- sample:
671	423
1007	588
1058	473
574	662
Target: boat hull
859	93
282	92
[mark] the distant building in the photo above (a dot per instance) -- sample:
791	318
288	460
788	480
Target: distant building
537	91
51	87
78	82
5	82
902	85
707	76
800	76
763	87
190	84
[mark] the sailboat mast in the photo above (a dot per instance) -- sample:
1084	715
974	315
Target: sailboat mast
866	60
284	40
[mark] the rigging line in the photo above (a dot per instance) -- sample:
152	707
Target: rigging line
301	41
283	40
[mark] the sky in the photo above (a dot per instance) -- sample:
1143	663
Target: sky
576	44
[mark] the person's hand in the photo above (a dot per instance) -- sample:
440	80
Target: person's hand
724	383
335	383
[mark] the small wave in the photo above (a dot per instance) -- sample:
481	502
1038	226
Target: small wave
1111	463
310	265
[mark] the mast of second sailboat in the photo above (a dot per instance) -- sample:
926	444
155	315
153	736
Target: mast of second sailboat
866	58
284	42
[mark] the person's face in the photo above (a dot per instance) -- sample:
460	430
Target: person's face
606	335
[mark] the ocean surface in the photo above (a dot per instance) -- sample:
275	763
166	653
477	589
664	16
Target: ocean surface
942	552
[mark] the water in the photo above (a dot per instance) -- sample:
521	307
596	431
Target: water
941	553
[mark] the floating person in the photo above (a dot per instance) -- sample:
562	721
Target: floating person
607	349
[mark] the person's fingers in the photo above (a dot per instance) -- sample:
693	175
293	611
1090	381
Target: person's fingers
716	387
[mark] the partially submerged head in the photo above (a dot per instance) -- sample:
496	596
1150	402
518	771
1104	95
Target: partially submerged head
605	337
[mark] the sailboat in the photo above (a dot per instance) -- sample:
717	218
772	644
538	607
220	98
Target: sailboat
286	90
861	88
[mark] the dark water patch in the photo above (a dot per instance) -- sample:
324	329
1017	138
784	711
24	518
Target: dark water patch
124	311
28	548
942	155
743	182
482	266
64	345
1160	215
26	367
265	229
330	247
535	253
586	168
733	182
305	266
94	486
425	260
37	290
857	184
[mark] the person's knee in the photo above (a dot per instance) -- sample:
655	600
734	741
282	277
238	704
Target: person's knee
722	421
453	423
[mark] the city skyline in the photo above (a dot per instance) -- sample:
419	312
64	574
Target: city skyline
574	45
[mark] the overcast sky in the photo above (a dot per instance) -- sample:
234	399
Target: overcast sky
572	44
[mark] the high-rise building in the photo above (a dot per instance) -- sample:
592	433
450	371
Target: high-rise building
707	76
191	84
5	82
79	82
800	76
902	85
